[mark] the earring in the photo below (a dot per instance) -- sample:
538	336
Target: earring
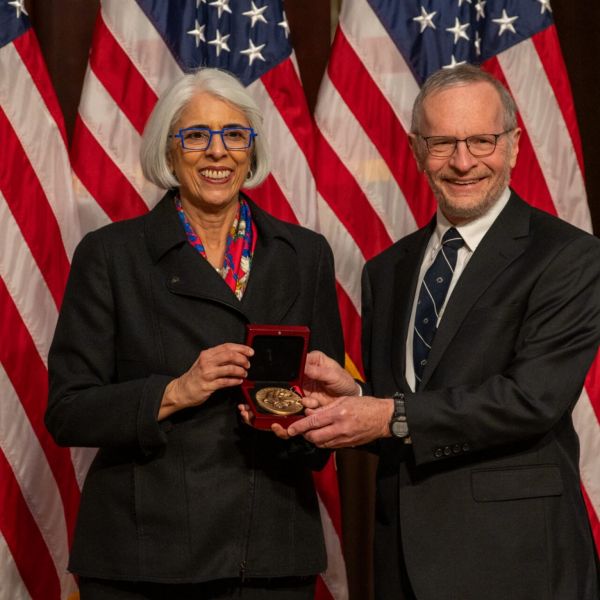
250	174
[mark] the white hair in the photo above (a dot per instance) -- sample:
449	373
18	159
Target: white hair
218	83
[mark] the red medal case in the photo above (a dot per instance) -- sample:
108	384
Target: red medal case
278	361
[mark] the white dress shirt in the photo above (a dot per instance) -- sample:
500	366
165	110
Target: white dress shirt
472	233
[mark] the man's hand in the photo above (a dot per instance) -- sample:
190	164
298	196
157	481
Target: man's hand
346	422
325	380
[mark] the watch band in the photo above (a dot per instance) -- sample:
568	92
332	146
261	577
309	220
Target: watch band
398	424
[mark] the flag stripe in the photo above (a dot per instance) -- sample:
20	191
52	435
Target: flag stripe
124	202
29	51
548	48
362	96
29	379
24	540
120	77
18	180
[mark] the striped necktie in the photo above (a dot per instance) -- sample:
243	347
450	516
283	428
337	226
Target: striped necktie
431	299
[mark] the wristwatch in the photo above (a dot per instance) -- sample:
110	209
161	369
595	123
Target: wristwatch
398	424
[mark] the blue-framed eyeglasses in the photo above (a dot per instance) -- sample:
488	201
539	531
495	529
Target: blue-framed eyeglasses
194	139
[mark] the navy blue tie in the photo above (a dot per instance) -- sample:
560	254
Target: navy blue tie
434	290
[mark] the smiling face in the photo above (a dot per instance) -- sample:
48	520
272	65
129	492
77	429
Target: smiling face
465	186
210	179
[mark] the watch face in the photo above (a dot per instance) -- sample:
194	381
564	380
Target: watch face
399	428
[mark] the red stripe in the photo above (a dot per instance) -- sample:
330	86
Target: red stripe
321	591
26	545
271	199
352	328
327	484
527	178
376	116
120	77
285	89
594	521
29	378
592	386
548	48
28	203
29	50
334	181
102	177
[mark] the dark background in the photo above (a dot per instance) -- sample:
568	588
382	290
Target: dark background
64	29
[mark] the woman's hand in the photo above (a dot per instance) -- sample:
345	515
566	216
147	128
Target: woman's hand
247	417
219	367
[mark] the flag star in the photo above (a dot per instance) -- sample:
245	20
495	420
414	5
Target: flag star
253	52
477	43
545	6
505	22
460	2
198	33
199	2
222	6
459	30
480	8
426	19
284	25
220	42
18	5
454	63
256	14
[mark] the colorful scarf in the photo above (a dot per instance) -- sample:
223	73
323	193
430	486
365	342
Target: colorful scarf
239	249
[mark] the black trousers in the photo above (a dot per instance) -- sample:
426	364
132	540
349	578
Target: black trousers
280	588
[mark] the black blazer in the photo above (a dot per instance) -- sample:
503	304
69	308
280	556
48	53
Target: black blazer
198	496
486	502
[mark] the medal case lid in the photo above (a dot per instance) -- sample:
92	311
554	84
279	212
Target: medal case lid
278	361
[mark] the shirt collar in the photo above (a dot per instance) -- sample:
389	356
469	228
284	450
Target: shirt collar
473	231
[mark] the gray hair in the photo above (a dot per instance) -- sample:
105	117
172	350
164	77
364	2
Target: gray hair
462	75
218	83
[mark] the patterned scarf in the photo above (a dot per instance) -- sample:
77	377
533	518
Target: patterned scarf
239	249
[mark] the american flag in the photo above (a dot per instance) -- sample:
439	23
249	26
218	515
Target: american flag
139	48
373	195
39	228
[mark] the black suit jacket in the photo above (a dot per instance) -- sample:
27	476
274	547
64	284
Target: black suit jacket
198	496
486	502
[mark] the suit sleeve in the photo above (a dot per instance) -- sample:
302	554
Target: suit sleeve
86	406
529	395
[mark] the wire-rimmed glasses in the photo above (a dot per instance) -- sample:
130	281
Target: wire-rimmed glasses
479	145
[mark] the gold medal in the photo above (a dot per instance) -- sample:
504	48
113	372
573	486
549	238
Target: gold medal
279	401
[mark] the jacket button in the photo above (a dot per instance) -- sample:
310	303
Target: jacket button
175	279
456	449
466	447
438	453
447	451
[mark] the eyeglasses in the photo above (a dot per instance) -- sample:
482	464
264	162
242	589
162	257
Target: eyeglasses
478	145
199	138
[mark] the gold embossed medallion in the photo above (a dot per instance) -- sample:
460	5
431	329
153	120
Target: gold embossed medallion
279	401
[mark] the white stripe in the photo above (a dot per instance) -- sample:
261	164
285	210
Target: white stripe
358	154
381	57
117	136
335	576
82	459
588	429
549	135
12	587
289	166
91	214
25	283
142	42
41	140
26	457
349	260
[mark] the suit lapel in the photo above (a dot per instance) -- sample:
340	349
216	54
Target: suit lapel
505	241
406	274
273	284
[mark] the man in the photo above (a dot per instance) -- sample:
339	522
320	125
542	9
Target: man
473	383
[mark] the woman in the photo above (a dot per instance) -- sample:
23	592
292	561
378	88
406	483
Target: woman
184	500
